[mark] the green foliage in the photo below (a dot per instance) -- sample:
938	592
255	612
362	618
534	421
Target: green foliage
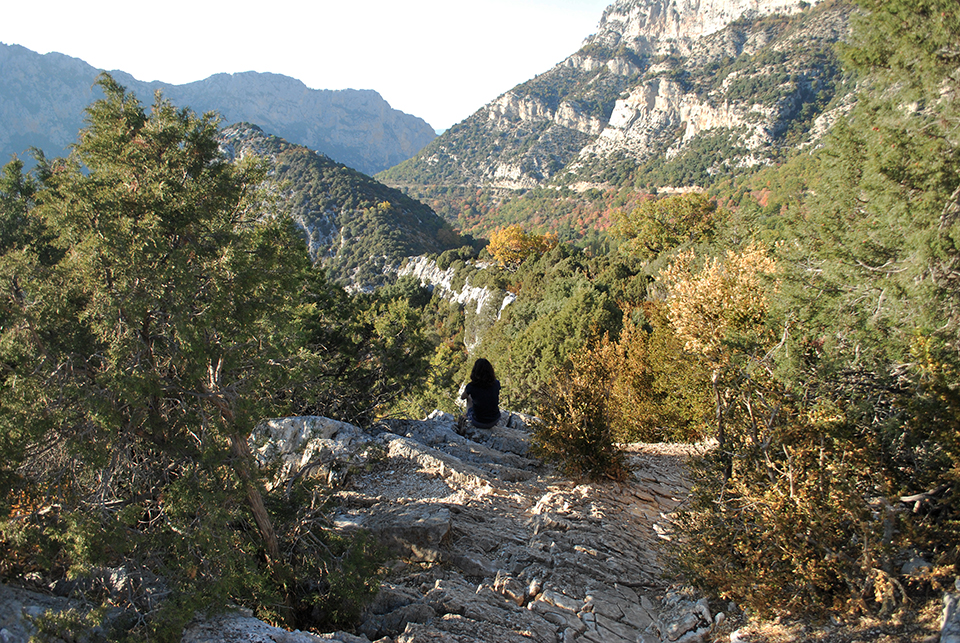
573	428
355	225
559	309
366	351
448	366
702	162
656	391
463	254
152	316
661	225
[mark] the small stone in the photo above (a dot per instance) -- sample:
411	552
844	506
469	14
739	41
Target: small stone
474	564
561	600
589	620
915	566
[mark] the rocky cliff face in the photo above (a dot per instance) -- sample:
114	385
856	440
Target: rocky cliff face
661	80
760	82
42	99
441	281
672	26
482	305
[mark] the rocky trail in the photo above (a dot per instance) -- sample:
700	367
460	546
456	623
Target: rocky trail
491	546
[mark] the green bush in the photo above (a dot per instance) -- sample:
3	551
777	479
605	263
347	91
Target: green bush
574	429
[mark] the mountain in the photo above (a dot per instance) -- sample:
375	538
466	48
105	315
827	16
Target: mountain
42	98
667	92
358	229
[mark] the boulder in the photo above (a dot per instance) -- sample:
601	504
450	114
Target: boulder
414	531
242	628
308	445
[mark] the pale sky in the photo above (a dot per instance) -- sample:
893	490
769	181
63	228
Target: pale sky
440	60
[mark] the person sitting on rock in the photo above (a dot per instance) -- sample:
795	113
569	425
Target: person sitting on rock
482	394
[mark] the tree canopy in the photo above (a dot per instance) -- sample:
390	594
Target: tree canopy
153	313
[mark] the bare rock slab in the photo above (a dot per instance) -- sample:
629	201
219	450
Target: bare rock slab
414	531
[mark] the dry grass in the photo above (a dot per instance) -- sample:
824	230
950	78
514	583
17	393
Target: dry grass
915	624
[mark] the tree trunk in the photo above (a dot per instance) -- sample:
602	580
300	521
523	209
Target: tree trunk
721	428
242	461
241	450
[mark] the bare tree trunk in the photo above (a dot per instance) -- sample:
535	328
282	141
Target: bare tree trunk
721	428
240	449
242	461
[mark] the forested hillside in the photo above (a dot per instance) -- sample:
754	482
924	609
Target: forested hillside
356	228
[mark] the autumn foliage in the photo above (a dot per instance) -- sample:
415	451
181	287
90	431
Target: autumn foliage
511	245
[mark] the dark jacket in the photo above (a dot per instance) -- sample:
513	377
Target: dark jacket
486	402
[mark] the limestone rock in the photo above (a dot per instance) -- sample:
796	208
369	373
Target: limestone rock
18	606
396	621
950	621
309	445
413	531
441	281
684	617
240	628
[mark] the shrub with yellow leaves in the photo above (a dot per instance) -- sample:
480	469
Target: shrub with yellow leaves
510	246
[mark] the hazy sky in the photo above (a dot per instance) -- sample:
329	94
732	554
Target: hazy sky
437	59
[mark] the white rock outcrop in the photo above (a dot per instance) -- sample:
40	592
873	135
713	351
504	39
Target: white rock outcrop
656	110
431	276
669	26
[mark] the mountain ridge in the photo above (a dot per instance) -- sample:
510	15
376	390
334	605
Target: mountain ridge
649	74
356	228
42	98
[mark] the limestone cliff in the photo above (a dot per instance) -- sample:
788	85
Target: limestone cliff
762	82
42	99
672	26
441	281
482	305
707	85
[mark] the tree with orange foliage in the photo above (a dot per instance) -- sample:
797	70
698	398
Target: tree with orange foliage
510	246
719	311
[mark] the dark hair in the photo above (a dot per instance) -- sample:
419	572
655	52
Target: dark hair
482	373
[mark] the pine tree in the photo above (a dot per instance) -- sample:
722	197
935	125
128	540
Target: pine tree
141	353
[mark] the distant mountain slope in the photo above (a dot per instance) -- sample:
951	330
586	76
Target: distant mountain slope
357	228
42	98
696	88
